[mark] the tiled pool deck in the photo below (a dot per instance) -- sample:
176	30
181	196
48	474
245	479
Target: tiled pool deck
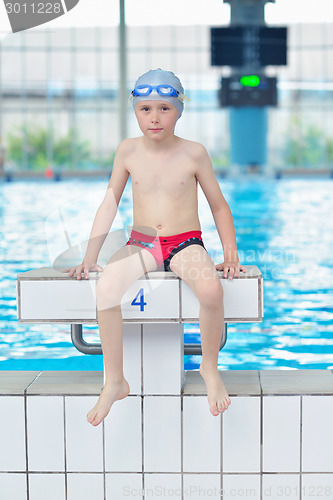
275	441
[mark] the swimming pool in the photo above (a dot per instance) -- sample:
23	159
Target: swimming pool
285	227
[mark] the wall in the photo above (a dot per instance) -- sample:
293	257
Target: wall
275	440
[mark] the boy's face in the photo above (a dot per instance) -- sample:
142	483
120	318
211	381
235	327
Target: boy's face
157	119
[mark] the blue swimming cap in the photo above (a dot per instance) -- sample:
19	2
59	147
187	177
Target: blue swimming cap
161	77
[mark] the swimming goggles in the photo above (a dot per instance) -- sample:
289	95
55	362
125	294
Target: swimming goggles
162	90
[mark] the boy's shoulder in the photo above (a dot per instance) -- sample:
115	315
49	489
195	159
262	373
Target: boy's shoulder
128	145
195	149
195	146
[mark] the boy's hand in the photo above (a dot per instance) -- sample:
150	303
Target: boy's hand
232	267
85	268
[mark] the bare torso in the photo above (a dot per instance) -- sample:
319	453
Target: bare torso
164	188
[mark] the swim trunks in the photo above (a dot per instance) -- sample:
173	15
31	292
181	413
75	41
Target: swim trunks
163	248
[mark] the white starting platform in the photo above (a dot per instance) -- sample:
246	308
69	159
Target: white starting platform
49	296
154	310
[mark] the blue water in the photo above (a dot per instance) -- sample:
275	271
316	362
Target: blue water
285	227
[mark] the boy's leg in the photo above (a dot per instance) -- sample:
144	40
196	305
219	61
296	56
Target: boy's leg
125	266
194	265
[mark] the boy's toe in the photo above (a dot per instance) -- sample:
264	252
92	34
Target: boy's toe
94	419
226	404
221	407
91	417
214	411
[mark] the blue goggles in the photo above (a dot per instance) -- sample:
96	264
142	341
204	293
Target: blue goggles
162	90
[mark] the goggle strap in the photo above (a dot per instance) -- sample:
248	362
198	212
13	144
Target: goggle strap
183	97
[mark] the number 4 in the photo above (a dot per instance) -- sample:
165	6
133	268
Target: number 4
141	302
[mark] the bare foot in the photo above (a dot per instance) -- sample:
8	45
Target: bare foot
111	392
218	397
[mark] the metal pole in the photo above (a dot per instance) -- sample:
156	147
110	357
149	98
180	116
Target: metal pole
122	72
193	349
83	346
80	344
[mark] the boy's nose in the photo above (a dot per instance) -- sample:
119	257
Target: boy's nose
154	116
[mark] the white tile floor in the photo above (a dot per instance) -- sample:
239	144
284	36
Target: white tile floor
199	486
317	442
277	486
273	442
121	486
201	436
162	433
45	433
53	484
241	435
241	486
122	430
12	430
84	444
281	434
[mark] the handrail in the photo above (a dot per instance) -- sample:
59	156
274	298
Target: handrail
95	348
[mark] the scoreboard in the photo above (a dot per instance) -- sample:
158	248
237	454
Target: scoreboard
248	90
257	46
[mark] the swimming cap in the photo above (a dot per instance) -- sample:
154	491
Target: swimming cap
161	77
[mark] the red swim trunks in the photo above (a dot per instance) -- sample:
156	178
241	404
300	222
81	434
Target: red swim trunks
163	248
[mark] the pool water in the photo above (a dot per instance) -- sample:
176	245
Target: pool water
285	227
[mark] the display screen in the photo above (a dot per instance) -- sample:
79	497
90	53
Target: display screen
245	45
248	90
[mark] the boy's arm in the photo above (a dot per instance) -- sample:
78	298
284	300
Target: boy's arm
221	213
105	214
107	210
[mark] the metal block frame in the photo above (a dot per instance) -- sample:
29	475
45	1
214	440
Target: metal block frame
95	348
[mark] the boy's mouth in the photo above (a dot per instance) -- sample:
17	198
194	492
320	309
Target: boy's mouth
155	129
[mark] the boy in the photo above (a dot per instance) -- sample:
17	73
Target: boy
164	169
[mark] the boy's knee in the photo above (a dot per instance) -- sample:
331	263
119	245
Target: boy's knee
211	293
109	289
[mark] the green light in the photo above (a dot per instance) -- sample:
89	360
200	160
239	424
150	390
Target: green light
250	81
